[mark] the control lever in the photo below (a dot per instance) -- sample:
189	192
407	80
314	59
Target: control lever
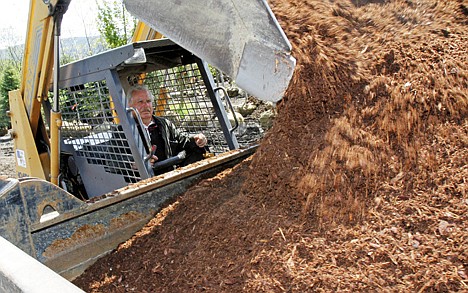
170	161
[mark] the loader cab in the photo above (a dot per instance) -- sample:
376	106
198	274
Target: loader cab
102	145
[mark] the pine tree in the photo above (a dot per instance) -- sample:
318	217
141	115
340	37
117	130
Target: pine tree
10	81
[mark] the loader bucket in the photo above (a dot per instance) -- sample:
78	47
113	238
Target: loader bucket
242	38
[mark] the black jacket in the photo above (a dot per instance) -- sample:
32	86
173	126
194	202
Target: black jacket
173	142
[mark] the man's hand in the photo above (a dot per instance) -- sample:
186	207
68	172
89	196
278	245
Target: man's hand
200	140
153	160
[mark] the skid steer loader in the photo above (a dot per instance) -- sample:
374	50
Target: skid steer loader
84	182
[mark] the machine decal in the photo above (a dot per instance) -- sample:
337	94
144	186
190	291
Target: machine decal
20	158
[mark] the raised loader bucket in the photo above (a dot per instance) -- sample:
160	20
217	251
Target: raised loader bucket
242	38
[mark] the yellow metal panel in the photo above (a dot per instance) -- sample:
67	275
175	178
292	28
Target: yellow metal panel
143	32
28	161
37	61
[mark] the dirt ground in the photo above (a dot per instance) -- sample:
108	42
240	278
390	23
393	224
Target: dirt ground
361	183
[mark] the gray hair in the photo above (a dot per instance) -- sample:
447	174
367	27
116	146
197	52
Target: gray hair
139	87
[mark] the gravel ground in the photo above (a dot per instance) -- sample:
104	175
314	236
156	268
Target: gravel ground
7	159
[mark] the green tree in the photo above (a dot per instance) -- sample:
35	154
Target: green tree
10	81
115	24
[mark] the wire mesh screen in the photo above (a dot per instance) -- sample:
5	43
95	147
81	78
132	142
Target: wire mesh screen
180	95
91	126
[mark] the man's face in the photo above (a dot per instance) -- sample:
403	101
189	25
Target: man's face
143	104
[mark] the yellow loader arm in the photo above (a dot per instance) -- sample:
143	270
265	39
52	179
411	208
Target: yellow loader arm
33	149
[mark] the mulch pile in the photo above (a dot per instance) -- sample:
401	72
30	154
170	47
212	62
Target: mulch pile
361	183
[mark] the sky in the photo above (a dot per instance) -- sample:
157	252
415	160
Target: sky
78	21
